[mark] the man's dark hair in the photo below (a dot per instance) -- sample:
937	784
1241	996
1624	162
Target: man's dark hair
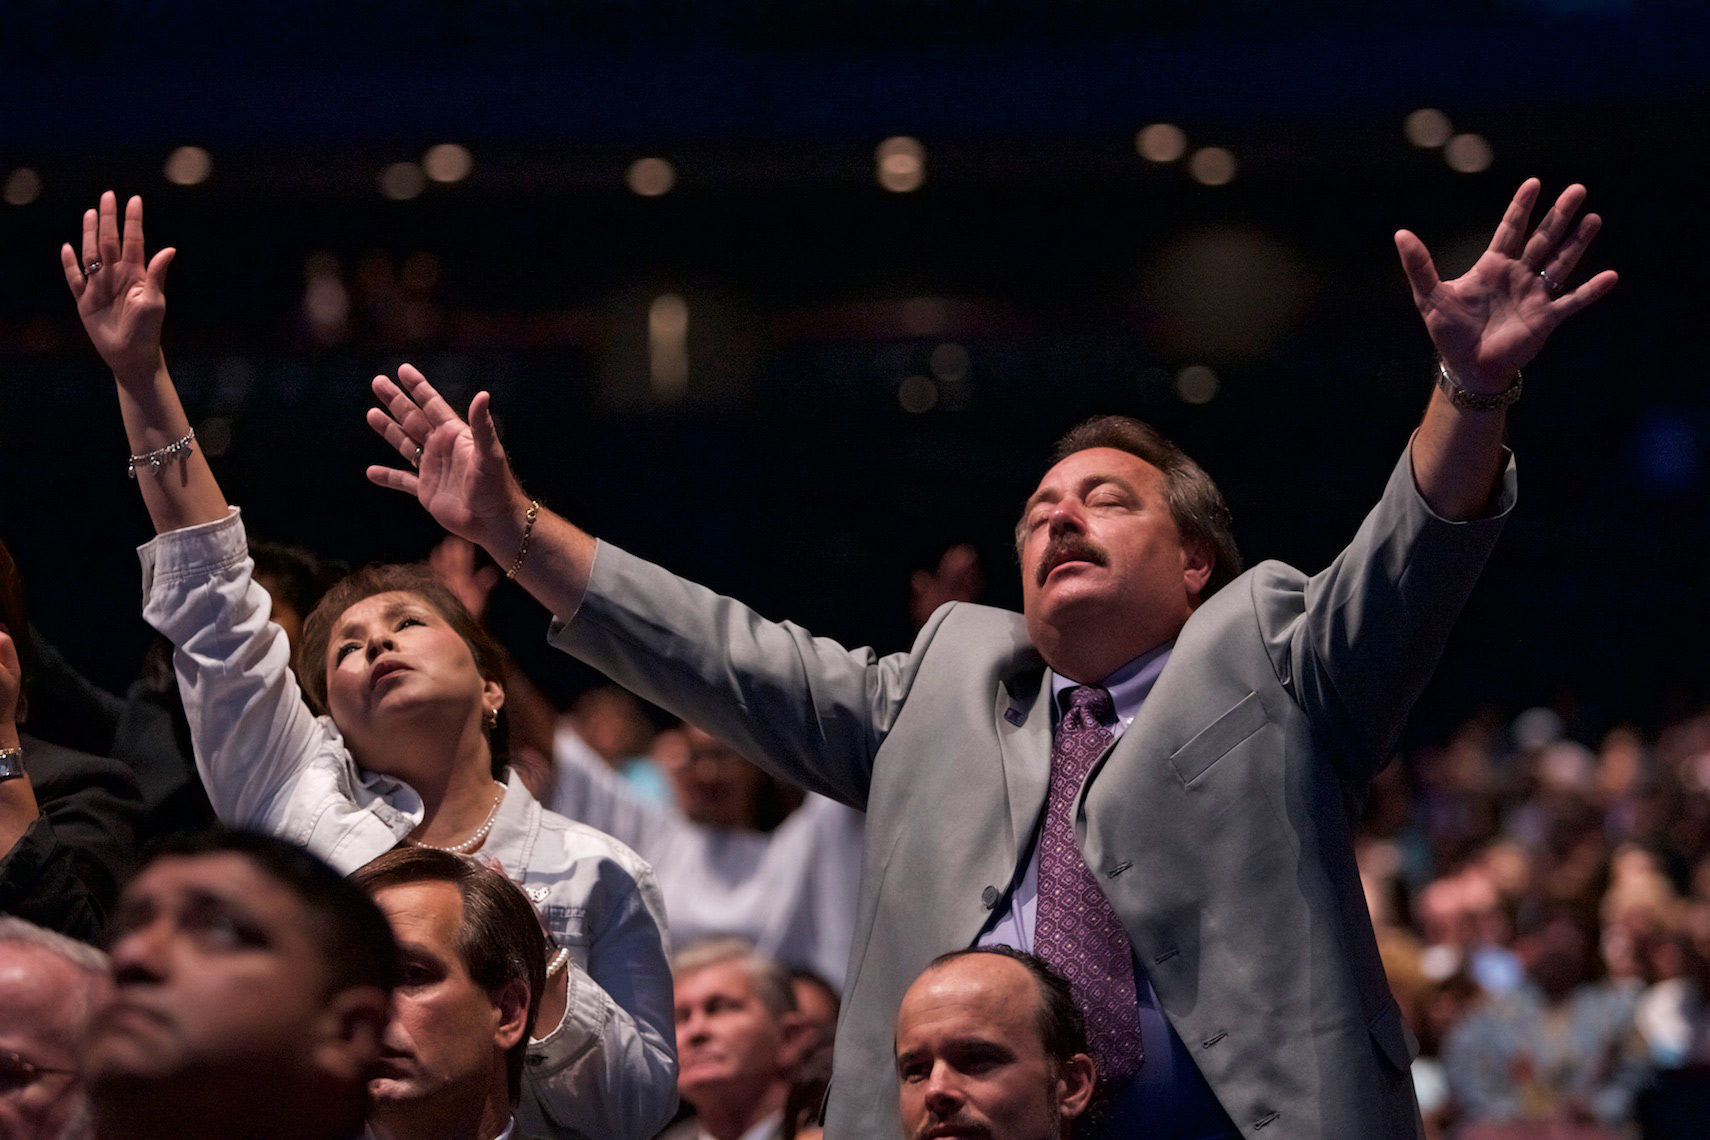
387	578
351	932
1196	504
499	940
1062	1028
15	620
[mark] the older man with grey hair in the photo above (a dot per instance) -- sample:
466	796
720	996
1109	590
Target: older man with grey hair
50	987
739	1040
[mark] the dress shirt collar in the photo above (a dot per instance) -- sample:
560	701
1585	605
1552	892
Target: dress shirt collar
1128	686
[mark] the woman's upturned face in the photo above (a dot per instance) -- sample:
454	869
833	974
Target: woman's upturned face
394	662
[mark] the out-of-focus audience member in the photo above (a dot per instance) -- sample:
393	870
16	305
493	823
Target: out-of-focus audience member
819	1003
791	891
989	1043
807	1097
610	721
51	987
252	989
1559	1051
472	967
66	818
1673	1013
958	577
739	1042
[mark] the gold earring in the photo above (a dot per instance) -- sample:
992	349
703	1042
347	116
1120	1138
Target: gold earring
490	718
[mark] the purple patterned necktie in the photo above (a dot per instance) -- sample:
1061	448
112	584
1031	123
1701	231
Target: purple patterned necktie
1076	930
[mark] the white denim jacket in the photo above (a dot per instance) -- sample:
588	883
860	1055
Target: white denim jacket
610	1069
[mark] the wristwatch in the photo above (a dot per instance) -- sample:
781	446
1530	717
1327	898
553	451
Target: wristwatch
11	763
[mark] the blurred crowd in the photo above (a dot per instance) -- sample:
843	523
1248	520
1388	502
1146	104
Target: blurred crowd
1543	909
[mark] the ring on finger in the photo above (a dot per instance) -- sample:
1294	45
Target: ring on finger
93	267
416	459
1553	286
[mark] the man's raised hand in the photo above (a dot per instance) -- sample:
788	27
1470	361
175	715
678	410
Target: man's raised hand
460	474
120	297
1491	321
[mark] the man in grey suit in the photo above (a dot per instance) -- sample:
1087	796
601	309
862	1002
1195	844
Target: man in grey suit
1150	785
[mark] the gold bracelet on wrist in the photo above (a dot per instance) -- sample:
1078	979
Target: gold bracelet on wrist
1463	397
528	531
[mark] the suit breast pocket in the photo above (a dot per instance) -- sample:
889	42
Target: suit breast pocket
1217	739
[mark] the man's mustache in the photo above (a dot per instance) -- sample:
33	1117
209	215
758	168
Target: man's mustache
1068	547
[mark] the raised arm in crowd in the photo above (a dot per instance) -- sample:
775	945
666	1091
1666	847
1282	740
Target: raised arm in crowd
395	736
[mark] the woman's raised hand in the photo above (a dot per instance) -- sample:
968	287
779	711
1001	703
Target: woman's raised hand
460	474
120	297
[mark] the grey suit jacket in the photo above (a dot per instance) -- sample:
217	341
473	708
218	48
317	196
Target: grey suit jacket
1219	825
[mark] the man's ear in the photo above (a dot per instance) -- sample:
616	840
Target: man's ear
511	1000
1198	561
355	1022
1075	1080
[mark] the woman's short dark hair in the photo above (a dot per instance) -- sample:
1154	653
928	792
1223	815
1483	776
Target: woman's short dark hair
499	940
1196	504
386	578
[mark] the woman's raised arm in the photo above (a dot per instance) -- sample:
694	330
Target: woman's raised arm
122	301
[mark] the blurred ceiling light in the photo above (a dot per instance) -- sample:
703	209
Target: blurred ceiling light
1161	142
1212	166
1427	128
326	306
1196	384
448	162
1468	154
949	362
402	181
23	185
668	345
917	394
650	177
900	164
189	165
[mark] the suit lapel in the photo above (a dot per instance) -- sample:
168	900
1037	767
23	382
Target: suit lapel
1023	715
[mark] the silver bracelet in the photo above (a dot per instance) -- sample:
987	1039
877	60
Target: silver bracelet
1463	397
158	458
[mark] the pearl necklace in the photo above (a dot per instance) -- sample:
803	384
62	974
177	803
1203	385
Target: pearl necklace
480	836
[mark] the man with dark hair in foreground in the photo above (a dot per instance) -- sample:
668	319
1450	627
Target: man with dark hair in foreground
990	1043
472	968
252	987
1149	777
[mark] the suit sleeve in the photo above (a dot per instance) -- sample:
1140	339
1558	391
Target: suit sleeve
804	707
1356	643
